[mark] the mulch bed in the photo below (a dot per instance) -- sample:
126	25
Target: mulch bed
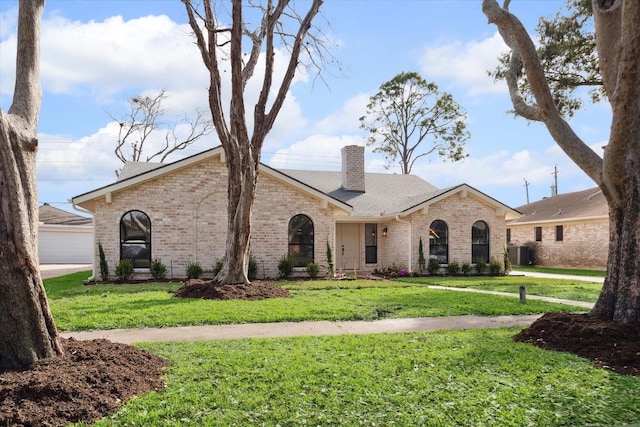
95	377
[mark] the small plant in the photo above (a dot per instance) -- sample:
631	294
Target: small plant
329	259
466	268
495	266
252	272
158	269
481	265
104	267
453	268
506	260
434	266
194	270
285	265
421	261
313	269
124	270
217	267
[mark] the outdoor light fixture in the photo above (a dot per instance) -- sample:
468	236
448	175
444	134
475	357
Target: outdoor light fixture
384	232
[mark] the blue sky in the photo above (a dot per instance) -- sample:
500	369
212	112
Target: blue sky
95	54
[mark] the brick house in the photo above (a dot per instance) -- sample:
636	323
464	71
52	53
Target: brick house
177	213
564	230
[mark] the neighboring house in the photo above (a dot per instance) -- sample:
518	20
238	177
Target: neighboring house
565	230
64	237
177	213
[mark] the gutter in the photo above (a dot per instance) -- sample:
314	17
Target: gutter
397	218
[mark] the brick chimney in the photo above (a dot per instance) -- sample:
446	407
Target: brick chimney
353	168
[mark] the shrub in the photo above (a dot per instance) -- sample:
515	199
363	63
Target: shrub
506	260
453	268
421	261
285	265
194	270
252	272
217	267
124	270
434	266
495	267
104	267
313	269
481	265
466	268
158	269
329	259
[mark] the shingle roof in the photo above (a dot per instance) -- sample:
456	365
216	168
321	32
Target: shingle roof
580	204
130	169
384	193
54	216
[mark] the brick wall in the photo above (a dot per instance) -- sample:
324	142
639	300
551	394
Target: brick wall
188	213
584	244
353	168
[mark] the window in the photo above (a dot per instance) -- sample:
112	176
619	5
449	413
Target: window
371	243
135	238
480	241
301	240
538	232
508	235
559	233
439	241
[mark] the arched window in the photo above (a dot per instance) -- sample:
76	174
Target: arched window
301	240
135	238
439	241
480	241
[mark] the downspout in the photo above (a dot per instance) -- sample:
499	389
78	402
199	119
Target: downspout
410	240
93	222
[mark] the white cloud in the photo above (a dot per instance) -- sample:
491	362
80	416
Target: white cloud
317	152
466	63
346	119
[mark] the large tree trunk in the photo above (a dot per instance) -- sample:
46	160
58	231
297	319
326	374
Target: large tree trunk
27	330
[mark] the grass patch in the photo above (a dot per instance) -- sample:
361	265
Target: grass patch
553	270
557	288
133	306
445	378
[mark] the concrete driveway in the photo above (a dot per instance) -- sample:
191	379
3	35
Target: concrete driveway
48	271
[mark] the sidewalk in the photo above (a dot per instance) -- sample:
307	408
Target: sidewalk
292	329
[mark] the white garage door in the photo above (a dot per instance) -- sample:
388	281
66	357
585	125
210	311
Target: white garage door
68	245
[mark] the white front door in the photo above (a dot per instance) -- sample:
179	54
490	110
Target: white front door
348	247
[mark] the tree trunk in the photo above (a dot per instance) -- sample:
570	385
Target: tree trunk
27	330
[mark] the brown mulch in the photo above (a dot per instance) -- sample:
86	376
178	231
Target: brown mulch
209	289
92	379
95	377
609	345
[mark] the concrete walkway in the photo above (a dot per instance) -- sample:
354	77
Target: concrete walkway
48	271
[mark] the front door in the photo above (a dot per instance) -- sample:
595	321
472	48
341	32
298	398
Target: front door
348	246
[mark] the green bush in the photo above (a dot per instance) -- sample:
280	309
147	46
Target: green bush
285	265
434	266
495	267
453	268
506	259
422	262
329	259
481	265
313	269
253	268
217	267
466	268
157	269
124	270
104	267
194	270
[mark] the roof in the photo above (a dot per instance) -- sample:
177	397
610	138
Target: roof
54	216
585	204
386	195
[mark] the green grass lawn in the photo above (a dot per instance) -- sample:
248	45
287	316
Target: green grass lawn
553	270
453	378
130	306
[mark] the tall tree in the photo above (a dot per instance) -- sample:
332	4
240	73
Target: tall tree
222	45
146	116
617	35
408	111
27	330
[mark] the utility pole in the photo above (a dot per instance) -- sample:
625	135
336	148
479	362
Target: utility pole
526	186
555	175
